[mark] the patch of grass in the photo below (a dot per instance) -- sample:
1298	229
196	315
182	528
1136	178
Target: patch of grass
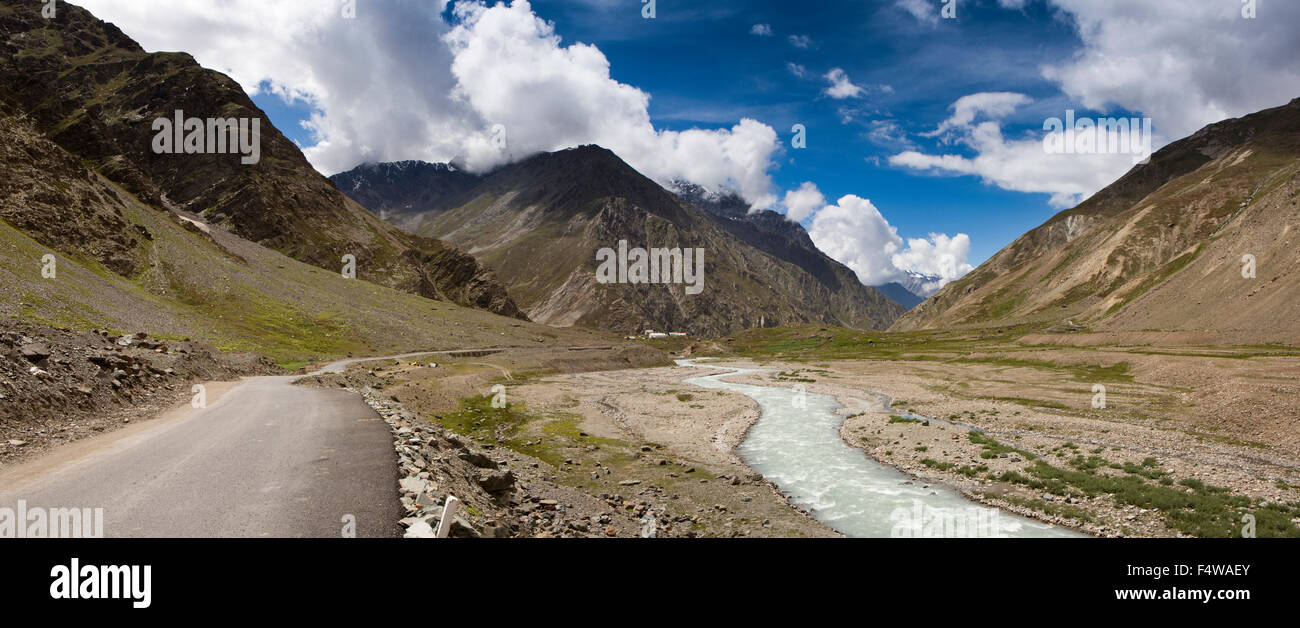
991	448
1051	508
902	419
1197	509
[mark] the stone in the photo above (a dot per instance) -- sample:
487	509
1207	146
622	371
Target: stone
17	443
425	500
414	485
477	459
35	352
496	482
462	529
419	530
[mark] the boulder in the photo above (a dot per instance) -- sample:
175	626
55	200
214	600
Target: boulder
35	352
497	481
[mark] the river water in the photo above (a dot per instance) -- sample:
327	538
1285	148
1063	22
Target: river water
796	444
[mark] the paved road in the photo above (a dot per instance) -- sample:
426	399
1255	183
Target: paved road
265	459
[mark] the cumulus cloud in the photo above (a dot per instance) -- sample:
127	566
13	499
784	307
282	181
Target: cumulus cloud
762	30
1185	66
841	87
400	82
801	203
939	256
801	41
1023	164
796	69
994	105
854	232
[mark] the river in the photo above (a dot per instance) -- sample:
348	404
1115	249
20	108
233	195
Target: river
799	448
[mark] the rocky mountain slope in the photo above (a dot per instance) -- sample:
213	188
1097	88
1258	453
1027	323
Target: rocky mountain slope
89	88
1160	249
540	222
79	252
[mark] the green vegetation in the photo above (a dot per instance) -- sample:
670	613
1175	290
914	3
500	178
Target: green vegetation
991	448
793	376
1195	509
900	419
966	470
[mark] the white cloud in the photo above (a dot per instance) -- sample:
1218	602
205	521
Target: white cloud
887	133
762	30
923	10
1021	165
443	87
796	69
841	87
801	41
994	105
801	203
855	233
1184	64
939	256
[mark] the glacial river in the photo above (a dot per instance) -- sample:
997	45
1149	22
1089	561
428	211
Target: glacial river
798	448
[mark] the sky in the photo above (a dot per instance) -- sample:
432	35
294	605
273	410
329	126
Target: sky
905	135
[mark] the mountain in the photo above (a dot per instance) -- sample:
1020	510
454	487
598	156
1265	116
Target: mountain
900	294
96	93
1162	248
540	223
79	252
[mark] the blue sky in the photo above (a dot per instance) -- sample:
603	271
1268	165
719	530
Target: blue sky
927	155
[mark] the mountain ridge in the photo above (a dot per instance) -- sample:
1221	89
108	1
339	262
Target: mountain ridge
1160	248
94	91
587	196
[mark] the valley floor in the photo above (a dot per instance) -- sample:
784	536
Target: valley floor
1186	445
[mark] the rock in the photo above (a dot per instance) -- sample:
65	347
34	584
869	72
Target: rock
419	530
414	485
462	529
611	531
477	459
496	482
629	482
17	443
424	500
35	352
